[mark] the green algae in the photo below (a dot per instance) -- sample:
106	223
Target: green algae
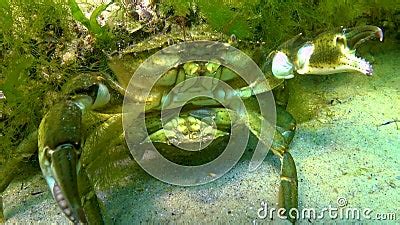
101	33
28	33
275	21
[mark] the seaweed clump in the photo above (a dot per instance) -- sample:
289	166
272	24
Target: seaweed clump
32	36
274	21
43	43
227	16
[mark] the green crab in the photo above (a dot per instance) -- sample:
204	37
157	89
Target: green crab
90	117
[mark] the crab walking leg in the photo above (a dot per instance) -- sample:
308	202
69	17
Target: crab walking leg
24	151
285	128
13	166
90	203
288	190
98	146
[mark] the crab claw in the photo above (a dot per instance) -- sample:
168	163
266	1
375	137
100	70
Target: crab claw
356	37
335	52
62	180
59	144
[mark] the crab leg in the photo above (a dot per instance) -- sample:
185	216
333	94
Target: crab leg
13	166
288	190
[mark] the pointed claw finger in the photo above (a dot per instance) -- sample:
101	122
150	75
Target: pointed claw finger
59	168
358	35
64	162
